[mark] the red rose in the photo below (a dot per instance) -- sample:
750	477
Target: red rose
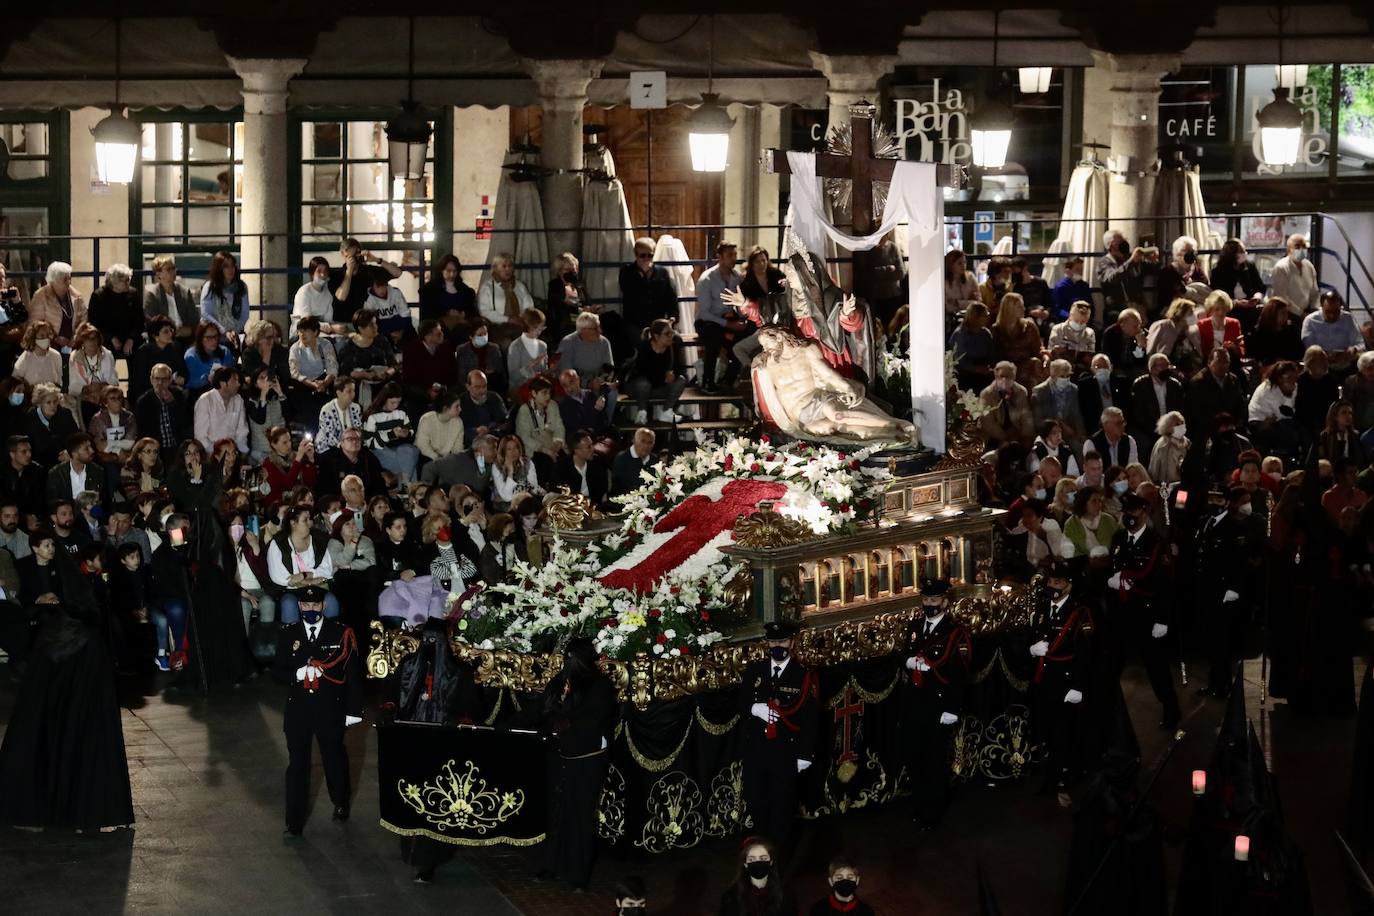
764	439
661	639
563	612
705	615
658	497
844	507
856	464
674	589
685	650
865	503
772	456
729	462
842	456
655	613
755	468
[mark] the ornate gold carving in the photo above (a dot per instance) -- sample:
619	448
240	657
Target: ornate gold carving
766	528
925	496
461	800
610	807
965	446
674	808
568	511
987	609
391	647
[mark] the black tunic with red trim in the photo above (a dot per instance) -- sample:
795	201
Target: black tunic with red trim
321	704
794	695
1143	594
948	650
1068	628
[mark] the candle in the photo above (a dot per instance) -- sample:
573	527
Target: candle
1181	498
1242	848
178	537
1199	782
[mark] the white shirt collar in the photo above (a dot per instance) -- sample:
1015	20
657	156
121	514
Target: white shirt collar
933	622
780	666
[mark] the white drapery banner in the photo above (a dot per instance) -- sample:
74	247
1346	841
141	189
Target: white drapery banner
913	198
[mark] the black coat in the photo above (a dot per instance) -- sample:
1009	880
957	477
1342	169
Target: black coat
117	315
1206	397
26	487
333	466
1144	407
1144	566
644	299
598	479
585	718
148	416
949	653
145	358
49	438
325	707
1068	630
795	689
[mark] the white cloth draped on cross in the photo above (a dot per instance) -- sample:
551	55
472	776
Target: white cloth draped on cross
914	198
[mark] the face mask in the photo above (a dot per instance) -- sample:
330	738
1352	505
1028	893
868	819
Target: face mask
1300	254
16	398
1179	431
1077	325
758	869
1245	509
319	282
932	610
1103	375
1189	257
1120	487
1054	593
1131	522
569	276
778	653
635	910
42	343
1062	383
845	887
1123	248
1039	492
480	340
236	532
310	616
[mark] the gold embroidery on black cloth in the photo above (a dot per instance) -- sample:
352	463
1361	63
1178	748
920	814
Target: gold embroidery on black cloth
876	793
610	807
461	801
674	807
725	808
998	750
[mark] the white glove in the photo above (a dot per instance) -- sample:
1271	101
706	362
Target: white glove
1114	581
911	663
352	720
921	664
760	710
802	764
301	672
1040	649
1074	696
316	673
948	718
1229	596
1159	631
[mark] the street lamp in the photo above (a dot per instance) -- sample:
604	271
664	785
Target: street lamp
708	128
990	126
1280	122
116	137
407	134
1035	80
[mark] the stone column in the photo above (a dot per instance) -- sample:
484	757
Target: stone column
265	167
562	87
851	78
1134	98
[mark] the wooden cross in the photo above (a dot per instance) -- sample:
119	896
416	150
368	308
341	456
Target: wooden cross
862	168
849	706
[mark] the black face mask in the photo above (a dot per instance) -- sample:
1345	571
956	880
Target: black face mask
1123	248
757	870
845	887
932	610
569	276
635	910
1131	522
1189	257
1054	593
778	653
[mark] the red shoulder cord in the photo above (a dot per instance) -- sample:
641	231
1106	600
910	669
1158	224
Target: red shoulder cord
958	639
1053	655
346	649
1128	575
809	690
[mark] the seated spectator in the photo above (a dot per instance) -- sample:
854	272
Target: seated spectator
390	306
1318	389
540	427
91	365
479	354
501	298
1170	448
1214	390
528	355
263	347
349	549
315	300
224	299
1071	288
996	284
160	348
58	305
1343	493
471	469
1236	275
298	556
1335	331
204	356
483	410
582	472
250	562
220	413
1339	439
353	497
447	299
1050	471
652	374
1124	344
48	426
1074	340
22	482
1294	279
169	592
1016	340
116	310
389	435
1090	529
1275	335
580	408
1223	450
1092	475
314	367
587	352
1056	398
161	411
285	467
113	430
440	432
142	471
631	896
399	556
367	356
1176	336
1061	508
512	473
167	298
340	414
626	467
232	462
1273	412
40	363
973	348
428	363
265	408
502	549
1034	291
349	283
350	458
1359	391
567	295
1219	326
961	287
1011	418
1050	443
765	895
1117	446
77	474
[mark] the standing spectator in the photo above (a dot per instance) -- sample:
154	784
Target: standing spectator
349	283
219	414
389	303
961	286
224	299
1073	340
367	356
59	305
313	367
205	355
440	432
502	298
161	412
540	428
527	355
1071	288
973	348
1276	334
1317	390
1335	331
646	291
1011	418
161	348
1213	391
92	365
1016	340
1219	326
167	298
1124	344
1236	275
428	363
314	300
1122	273
341	414
1170	449
446	298
1182	271
484	409
283	468
39	364
652	374
567	296
1339	439
757	889
1294	279
480	354
715	320
115	309
390	436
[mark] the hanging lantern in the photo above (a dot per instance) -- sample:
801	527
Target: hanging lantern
117	140
1280	127
1035	80
708	135
407	138
991	134
1291	76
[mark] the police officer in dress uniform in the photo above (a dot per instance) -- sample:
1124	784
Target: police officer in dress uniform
1061	635
1221	554
936	653
778	702
319	659
1138	605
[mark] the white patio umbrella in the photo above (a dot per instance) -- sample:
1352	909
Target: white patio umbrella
1083	221
668	249
517	226
606	235
1179	210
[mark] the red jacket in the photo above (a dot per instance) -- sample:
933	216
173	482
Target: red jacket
279	481
1230	335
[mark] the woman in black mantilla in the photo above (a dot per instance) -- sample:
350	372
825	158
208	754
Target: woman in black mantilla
62	763
580	711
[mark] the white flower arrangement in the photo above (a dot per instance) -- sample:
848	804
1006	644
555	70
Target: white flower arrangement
965	404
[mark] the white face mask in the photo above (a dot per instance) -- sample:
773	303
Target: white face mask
1077	325
1120	487
1103	375
42	343
1040	493
480	340
1062	382
1300	254
1244	509
319	282
1179	431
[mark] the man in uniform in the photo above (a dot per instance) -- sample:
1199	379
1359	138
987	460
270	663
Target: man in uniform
319	659
1061	636
1222	558
778	700
936	653
1138	601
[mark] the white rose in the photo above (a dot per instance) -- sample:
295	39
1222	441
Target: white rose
658	650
